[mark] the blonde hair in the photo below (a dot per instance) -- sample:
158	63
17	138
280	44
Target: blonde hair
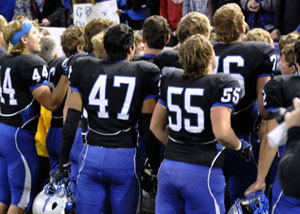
288	52
228	21
10	29
290	38
259	34
191	24
195	55
98	45
3	23
92	28
71	38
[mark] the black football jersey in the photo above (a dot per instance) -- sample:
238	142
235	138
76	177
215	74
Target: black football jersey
20	75
113	95
189	102
167	58
280	92
246	62
55	72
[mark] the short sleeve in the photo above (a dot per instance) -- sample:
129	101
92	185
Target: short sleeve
151	81
229	92
36	76
74	77
273	94
269	61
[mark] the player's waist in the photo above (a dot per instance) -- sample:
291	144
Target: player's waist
120	140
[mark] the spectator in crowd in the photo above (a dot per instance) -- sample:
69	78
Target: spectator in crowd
236	58
23	8
7	9
287	17
26	80
288	169
261	13
49	12
171	10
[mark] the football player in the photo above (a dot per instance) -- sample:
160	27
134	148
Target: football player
278	92
191	24
197	106
252	64
114	93
23	86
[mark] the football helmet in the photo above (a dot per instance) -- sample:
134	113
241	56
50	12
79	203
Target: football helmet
253	203
55	198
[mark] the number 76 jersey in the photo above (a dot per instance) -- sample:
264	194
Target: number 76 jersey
113	95
246	62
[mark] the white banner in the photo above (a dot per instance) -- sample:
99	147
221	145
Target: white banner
83	13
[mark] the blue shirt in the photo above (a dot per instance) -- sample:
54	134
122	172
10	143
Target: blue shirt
7	9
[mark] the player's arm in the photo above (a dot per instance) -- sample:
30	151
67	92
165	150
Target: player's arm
266	157
221	124
69	132
259	88
52	100
158	123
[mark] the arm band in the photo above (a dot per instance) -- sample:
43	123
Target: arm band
68	135
151	143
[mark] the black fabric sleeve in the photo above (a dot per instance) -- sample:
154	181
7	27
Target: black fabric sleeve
289	165
68	135
151	143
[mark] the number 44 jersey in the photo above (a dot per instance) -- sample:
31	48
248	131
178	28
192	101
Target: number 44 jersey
246	62
113	95
20	75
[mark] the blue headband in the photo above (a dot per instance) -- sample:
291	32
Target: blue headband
16	37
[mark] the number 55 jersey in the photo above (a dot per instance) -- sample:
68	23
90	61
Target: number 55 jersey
188	102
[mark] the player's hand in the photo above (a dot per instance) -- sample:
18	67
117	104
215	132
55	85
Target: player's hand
256	186
45	22
245	151
62	172
275	34
149	180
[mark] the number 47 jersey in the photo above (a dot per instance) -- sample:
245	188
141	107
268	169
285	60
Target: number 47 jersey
113	95
246	62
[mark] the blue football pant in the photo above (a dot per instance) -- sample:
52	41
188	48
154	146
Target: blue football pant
107	171
18	166
282	203
183	188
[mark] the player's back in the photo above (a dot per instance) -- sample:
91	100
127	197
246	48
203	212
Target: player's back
20	75
189	102
246	62
113	95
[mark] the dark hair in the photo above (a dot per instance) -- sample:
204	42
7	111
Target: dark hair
156	31
297	50
117	41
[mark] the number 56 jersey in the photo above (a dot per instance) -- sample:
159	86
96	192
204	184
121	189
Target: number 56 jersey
113	94
188	103
246	62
